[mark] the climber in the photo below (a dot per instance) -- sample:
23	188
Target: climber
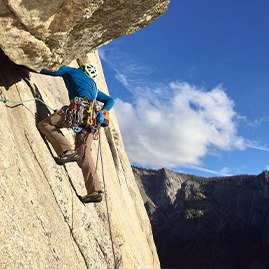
80	85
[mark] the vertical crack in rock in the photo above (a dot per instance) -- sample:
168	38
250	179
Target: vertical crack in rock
113	149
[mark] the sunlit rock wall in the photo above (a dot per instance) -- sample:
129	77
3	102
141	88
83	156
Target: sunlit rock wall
42	222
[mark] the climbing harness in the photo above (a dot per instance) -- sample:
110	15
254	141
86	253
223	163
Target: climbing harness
75	112
3	99
81	114
99	151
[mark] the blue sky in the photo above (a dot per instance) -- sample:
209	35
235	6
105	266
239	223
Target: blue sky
191	89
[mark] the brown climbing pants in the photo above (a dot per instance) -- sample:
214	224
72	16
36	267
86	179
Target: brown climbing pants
51	126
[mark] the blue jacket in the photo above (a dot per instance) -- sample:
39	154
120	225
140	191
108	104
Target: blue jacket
80	84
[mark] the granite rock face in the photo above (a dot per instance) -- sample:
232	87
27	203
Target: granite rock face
42	222
207	222
46	34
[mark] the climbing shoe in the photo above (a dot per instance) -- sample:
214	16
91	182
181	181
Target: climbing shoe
67	156
94	197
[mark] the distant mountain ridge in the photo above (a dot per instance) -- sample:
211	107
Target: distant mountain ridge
218	222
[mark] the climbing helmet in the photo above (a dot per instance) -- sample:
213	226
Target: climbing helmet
90	70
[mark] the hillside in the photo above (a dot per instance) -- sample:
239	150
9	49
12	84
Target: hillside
220	222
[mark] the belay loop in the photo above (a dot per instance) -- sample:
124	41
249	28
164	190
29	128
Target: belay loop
82	113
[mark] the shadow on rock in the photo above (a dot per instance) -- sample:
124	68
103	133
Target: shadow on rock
11	74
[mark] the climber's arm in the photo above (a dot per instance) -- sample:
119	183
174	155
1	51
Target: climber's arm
107	100
61	71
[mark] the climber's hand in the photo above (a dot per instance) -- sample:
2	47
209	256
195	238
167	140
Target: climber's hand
100	117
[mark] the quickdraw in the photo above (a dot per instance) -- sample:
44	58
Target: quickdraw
91	121
82	113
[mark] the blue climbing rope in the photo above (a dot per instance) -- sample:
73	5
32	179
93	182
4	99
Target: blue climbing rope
25	101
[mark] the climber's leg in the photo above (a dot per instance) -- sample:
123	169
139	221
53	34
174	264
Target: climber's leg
83	144
50	127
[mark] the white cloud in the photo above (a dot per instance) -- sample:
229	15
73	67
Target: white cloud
258	122
222	172
255	145
169	125
128	71
178	131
